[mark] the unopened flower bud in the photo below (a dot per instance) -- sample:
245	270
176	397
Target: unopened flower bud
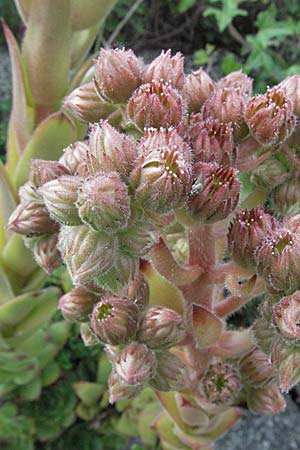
278	260
246	231
60	196
197	88
163	176
266	400
73	156
214	143
110	151
228	105
118	390
87	335
138	291
256	368
293	223
42	171
31	219
104	203
28	193
286	316
221	383
136	364
270	174
167	69
117	74
86	253
263	334
289	371
77	304
286	196
114	320
46	253
270	117
86	105
237	80
156	105
161	328
170	373
291	87
214	194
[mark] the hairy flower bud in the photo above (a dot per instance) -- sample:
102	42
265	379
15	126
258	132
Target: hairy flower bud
270	117
110	151
286	196
42	171
103	202
293	223
214	143
164	173
266	400
60	196
286	316
170	373
221	383
263	334
278	260
136	364
214	194
86	105
46	253
256	369
197	88
156	105
117	74
114	320
138	291
270	174
167	69
228	105
289	370
77	304
28	193
86	253
237	80
31	219
291	88
118	390
161	328
246	231
73	156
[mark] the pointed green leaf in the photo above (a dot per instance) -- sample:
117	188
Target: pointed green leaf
7	204
6	292
81	44
23	7
18	259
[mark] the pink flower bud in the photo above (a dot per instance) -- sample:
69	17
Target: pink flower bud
28	193
117	74
77	304
270	117
73	156
103	202
163	175
138	291
118	390
86	253
286	316
228	105
167	69
291	88
214	194
289	370
256	369
270	174
161	328
293	223
110	151
286	196
60	196
221	383
197	88
86	105
155	104
237	80
266	400
114	320
46	253
136	364
214	142
278	260
170	373
31	219
246	232
42	171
